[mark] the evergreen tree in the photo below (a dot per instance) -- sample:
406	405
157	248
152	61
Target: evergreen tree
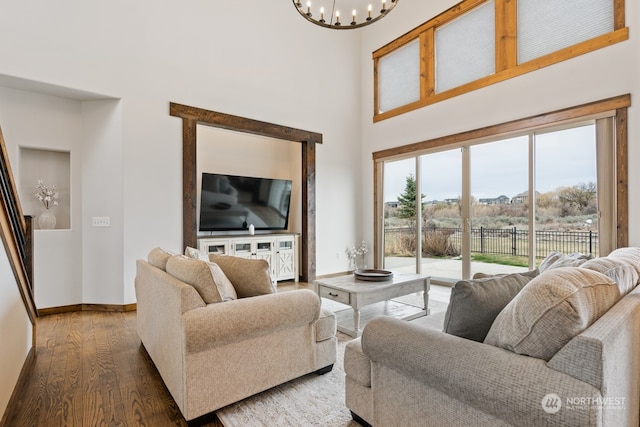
407	200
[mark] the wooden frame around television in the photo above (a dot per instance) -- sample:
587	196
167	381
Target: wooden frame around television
193	116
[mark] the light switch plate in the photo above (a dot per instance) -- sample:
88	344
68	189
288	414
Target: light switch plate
101	221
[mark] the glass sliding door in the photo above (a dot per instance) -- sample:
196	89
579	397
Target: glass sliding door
499	232
400	215
566	191
501	206
442	236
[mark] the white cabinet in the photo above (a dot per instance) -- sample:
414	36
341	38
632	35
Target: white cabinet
254	249
279	250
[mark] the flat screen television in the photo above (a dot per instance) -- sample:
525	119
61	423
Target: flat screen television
231	202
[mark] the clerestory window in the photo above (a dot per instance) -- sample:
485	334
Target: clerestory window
477	43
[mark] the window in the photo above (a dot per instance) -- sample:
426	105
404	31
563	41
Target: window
399	77
510	193
465	48
546	26
477	43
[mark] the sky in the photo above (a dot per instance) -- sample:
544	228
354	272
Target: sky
563	158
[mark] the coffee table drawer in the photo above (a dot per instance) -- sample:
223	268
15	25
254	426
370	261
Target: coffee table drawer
334	294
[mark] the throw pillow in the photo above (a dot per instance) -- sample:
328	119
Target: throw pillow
158	257
207	277
474	304
195	254
553	308
628	255
223	284
618	270
250	277
557	260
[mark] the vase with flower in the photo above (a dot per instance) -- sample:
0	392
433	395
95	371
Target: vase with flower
357	256
49	198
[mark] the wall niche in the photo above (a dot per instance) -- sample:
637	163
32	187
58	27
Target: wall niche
53	168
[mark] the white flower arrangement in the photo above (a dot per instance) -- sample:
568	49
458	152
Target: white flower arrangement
48	196
357	254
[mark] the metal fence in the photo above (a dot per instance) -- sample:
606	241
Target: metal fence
509	241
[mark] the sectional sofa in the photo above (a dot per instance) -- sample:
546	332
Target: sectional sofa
555	347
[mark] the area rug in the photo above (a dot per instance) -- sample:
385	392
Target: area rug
311	400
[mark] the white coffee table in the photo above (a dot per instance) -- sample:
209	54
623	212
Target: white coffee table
359	293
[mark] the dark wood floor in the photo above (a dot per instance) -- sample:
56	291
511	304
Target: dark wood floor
91	370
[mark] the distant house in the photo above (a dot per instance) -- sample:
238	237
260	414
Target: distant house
500	200
522	197
391	204
452	201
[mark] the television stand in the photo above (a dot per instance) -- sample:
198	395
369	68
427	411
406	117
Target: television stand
280	250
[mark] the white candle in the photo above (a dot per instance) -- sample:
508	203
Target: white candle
354	15
322	13
308	7
369	15
337	16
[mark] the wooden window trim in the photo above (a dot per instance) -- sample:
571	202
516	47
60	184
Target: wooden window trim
618	105
507	65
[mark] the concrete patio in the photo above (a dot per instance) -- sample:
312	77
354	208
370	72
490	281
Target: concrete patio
447	271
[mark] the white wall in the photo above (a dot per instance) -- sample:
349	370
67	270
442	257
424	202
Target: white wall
605	73
101	196
15	331
45	122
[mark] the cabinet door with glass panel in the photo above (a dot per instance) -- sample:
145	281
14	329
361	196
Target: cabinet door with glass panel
286	265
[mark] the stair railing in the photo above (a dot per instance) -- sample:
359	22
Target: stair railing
17	234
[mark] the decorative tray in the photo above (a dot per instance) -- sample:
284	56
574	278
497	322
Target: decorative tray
373	275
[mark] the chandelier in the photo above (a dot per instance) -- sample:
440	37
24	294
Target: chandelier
344	14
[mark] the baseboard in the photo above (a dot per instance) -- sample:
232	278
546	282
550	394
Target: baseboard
86	307
328	276
26	370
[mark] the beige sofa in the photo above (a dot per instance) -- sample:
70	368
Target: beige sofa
526	370
213	354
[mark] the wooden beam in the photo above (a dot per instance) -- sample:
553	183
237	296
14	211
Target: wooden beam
506	32
427	64
308	212
596	107
189	179
622	180
243	124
